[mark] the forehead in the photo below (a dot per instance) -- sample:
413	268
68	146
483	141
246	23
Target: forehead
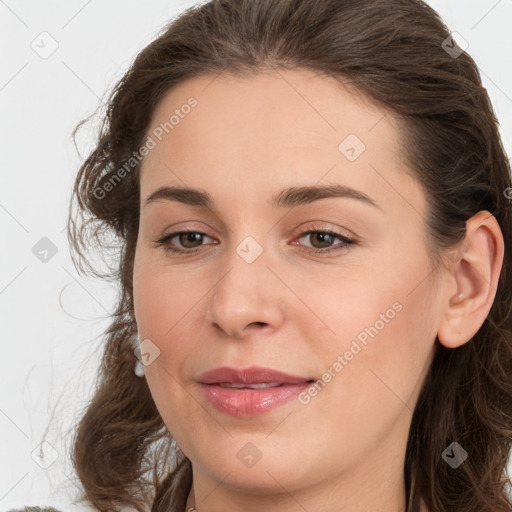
270	130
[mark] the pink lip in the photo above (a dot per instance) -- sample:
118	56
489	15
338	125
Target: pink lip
251	375
246	402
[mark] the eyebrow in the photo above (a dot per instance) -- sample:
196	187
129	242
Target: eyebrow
287	198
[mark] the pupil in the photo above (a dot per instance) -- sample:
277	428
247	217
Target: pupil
322	237
190	237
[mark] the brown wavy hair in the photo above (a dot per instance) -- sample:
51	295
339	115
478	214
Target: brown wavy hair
392	51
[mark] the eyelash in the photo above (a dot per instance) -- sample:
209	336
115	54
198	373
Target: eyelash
164	241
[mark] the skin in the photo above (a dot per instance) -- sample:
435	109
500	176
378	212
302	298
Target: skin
292	310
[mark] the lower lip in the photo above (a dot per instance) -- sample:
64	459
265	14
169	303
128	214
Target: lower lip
247	402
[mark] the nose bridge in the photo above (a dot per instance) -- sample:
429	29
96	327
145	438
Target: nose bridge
248	292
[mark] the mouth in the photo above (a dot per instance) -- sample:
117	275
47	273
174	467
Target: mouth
261	385
253	376
250	392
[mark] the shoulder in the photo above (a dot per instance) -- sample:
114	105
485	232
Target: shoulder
35	509
70	508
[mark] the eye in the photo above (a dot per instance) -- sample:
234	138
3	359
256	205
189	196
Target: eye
191	241
185	237
326	237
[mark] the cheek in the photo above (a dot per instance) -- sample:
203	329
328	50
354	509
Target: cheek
168	306
162	298
374	364
384	336
161	304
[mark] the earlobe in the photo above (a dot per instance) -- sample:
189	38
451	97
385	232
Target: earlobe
474	275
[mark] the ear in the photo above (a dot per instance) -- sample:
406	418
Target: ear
474	276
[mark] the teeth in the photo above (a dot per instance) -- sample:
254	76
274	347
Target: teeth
251	386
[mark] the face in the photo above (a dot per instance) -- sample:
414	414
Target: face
331	287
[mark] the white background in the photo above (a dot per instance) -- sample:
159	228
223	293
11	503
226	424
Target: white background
51	318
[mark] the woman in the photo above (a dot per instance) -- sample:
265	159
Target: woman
313	208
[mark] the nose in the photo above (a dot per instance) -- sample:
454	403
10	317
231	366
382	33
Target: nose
247	299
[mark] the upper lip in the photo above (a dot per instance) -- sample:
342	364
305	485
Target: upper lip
251	375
